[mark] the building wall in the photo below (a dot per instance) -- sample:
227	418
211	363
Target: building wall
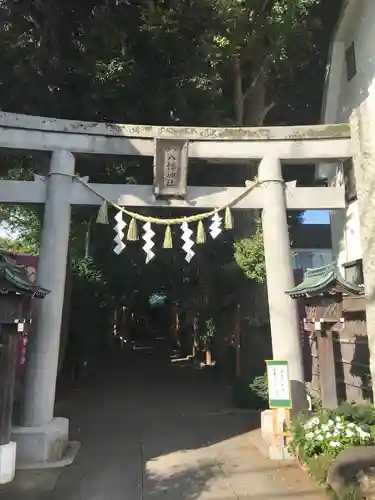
356	25
310	258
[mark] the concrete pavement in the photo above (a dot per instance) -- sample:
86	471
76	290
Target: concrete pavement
152	431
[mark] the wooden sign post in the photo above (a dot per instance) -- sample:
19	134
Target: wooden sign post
280	402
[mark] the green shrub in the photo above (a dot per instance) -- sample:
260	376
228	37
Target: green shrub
207	332
363	414
259	386
246	397
318	467
249	255
321	435
318	440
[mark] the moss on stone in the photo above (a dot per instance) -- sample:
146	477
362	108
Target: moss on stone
294	133
336	131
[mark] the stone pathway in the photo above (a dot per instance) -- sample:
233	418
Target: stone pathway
152	432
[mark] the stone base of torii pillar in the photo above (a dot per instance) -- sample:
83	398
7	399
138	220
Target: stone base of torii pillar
45	446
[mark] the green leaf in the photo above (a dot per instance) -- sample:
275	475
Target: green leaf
249	255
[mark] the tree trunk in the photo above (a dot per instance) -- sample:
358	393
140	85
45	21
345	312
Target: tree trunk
254	111
208	359
238	92
256	102
87	239
250	110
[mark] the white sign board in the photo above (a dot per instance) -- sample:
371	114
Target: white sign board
279	393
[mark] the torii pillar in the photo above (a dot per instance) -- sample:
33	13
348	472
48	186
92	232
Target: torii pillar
285	331
40	437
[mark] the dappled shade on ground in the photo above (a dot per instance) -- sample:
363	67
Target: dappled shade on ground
152	430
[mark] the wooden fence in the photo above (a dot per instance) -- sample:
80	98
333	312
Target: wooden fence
339	353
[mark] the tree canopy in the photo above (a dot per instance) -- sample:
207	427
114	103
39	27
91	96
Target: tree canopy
187	61
178	62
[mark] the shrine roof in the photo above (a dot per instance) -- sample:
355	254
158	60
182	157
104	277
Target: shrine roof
325	280
15	278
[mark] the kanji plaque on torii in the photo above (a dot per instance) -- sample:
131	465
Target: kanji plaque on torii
170	167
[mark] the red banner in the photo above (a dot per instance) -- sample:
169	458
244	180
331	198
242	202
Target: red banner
31	263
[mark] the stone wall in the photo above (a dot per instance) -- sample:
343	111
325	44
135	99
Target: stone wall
363	134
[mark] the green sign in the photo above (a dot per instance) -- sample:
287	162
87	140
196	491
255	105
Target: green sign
279	393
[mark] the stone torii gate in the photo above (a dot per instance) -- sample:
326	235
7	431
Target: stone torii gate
41	437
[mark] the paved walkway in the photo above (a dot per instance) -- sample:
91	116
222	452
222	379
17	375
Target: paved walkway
152	432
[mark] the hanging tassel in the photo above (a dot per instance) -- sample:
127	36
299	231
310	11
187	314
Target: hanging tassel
168	243
102	217
228	220
133	231
201	235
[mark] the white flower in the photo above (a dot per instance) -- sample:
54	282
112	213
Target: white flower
336	433
310	435
338	419
349	433
335	444
363	434
350	424
311	423
325	427
330	422
339	425
320	438
328	435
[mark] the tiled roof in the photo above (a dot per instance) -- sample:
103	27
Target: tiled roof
324	280
15	278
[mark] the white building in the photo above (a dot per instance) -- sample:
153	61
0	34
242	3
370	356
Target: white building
350	80
310	258
311	246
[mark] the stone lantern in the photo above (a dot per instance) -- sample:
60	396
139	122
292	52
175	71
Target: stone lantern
17	289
